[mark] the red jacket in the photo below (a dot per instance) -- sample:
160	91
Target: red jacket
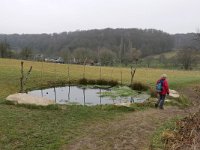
165	87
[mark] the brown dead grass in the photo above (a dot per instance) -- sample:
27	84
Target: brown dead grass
188	135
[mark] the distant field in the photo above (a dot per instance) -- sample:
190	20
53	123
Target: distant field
167	55
44	72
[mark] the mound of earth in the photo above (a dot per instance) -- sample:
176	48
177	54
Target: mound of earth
23	98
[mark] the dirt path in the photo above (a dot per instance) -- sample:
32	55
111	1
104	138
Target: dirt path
133	131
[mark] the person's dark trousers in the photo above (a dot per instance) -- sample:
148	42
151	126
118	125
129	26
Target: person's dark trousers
161	100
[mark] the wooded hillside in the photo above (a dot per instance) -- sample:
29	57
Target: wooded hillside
148	41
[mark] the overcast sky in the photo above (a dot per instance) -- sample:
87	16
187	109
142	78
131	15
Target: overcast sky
49	16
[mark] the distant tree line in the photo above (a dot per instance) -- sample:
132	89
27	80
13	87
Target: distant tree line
6	52
185	41
148	41
105	46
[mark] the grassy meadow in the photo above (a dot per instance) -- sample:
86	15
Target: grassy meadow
42	73
27	127
167	55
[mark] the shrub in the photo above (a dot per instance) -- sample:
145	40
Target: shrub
85	81
91	82
139	86
112	82
56	83
102	82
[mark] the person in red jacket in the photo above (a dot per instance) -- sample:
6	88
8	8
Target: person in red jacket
164	91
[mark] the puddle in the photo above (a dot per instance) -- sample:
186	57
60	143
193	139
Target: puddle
85	96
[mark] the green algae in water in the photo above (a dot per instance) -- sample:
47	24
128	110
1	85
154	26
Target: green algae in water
123	91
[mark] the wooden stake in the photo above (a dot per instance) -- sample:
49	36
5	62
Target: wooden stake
68	74
112	74
100	72
84	68
121	76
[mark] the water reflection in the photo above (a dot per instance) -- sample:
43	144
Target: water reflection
132	100
42	93
55	94
100	96
69	93
84	96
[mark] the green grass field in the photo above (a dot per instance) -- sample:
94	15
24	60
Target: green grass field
44	72
26	127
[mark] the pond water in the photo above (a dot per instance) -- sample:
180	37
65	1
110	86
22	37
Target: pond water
85	96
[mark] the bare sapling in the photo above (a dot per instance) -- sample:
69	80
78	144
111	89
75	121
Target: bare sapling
42	70
112	73
55	71
24	77
84	64
121	73
133	70
100	73
68	74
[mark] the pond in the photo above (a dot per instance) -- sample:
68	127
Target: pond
90	96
